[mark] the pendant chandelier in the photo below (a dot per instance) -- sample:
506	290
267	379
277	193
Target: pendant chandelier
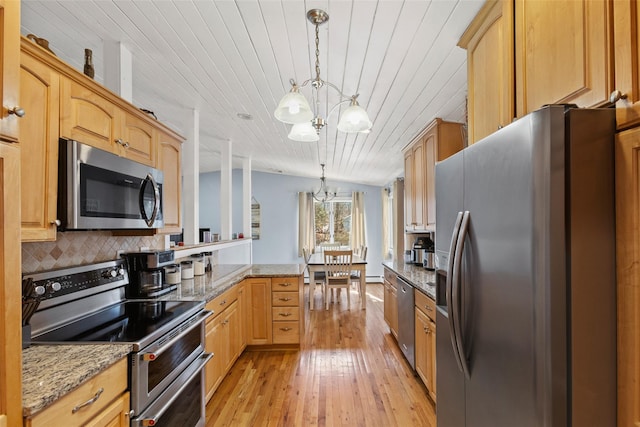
307	123
323	194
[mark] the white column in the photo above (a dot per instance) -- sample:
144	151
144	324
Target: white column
118	66
191	182
246	197
226	220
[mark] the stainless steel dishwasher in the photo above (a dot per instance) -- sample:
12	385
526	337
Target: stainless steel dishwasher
406	320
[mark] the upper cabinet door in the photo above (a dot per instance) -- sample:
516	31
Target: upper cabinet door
564	53
138	140
40	95
10	70
489	44
626	19
169	162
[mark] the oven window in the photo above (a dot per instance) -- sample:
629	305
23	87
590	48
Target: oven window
108	194
164	364
186	410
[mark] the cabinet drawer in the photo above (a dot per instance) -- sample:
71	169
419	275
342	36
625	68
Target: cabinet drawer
426	304
222	301
286	332
289	284
285	313
112	382
285	299
390	277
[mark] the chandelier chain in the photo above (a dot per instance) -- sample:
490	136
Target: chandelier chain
317	53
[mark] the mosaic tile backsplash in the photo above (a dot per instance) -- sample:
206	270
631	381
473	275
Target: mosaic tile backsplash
81	247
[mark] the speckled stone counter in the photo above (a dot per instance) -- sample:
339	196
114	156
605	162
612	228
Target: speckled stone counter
51	371
418	276
222	277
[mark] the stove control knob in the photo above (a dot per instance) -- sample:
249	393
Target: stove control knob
53	287
108	274
121	271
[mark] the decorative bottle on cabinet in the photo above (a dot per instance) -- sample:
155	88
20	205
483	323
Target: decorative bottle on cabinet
88	63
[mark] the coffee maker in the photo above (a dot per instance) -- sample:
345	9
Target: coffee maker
146	273
423	252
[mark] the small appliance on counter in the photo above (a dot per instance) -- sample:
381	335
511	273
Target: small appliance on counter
147	273
423	252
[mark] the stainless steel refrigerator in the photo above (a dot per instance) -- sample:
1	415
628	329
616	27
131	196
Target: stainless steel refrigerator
525	244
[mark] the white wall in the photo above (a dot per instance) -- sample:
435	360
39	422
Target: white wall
278	198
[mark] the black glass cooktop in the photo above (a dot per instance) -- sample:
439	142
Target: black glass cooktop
135	322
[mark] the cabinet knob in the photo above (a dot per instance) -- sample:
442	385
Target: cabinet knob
18	111
119	141
616	96
56	222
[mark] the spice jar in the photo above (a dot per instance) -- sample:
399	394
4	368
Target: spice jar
187	269
172	274
208	261
198	264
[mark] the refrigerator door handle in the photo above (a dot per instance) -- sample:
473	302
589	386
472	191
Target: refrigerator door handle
456	294
449	285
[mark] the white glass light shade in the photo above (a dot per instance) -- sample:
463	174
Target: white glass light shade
293	108
354	119
303	132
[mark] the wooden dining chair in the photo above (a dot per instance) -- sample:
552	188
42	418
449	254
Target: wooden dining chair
355	275
337	268
315	279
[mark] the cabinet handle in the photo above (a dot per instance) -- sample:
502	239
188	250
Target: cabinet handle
18	111
285	329
428	308
285	314
119	141
616	96
285	299
284	284
223	302
88	402
426	330
226	321
56	222
126	144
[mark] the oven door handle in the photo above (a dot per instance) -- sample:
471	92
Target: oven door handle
153	355
152	420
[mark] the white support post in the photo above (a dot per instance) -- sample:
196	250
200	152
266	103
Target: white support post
246	197
118	66
226	208
191	182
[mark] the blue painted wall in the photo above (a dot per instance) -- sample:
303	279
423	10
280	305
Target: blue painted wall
278	198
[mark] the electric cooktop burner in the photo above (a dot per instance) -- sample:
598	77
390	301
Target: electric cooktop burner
133	321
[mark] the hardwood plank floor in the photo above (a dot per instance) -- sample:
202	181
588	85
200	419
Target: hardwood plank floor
349	371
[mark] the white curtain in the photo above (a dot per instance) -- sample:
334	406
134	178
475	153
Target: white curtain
306	222
386	233
358	223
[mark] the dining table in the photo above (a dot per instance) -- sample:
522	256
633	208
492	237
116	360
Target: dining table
316	264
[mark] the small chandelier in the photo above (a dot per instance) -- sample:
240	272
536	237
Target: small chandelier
323	194
294	108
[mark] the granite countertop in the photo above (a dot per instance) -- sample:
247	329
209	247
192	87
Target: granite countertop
418	276
51	371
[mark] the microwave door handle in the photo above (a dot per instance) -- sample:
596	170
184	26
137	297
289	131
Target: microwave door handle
156	200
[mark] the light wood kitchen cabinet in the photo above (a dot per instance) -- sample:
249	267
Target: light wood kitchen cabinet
628	275
40	95
490	78
439	140
10	71
287	299
139	137
88	117
169	162
563	53
10	271
258	316
10	292
626	19
96	402
222	338
425	344
391	301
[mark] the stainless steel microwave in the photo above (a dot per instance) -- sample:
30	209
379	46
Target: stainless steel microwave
101	191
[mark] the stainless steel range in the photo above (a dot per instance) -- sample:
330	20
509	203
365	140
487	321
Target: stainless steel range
87	305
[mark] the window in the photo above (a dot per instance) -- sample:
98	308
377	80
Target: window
333	222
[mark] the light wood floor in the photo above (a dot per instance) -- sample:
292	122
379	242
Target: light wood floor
349	371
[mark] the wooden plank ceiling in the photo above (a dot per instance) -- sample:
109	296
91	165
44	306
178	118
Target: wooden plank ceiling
224	57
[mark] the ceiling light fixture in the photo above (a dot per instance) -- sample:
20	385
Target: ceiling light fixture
294	108
323	194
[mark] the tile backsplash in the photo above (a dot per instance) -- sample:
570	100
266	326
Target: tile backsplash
82	247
